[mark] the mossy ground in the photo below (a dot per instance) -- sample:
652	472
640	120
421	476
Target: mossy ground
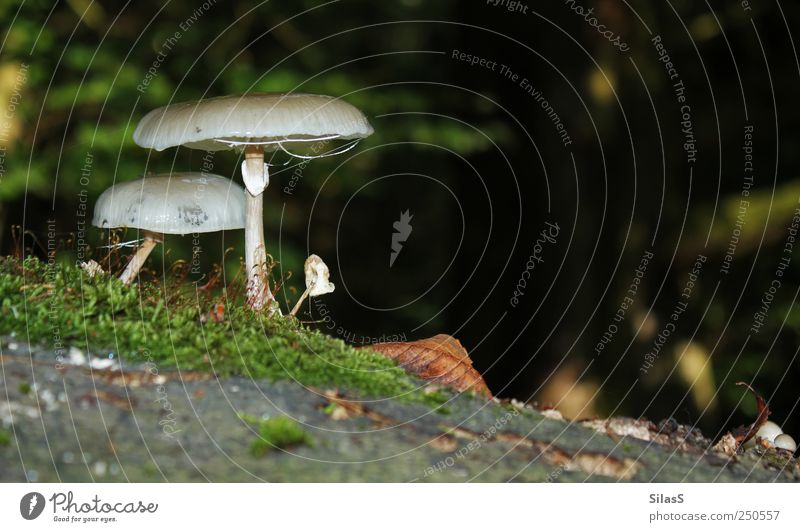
277	433
174	324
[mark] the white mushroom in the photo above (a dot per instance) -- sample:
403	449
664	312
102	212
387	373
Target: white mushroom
768	431
317	280
254	123
784	441
176	204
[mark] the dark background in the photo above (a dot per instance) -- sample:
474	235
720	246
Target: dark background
479	164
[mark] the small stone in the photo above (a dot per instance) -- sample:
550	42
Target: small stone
75	356
519	405
100	469
102	363
340	413
552	413
49	399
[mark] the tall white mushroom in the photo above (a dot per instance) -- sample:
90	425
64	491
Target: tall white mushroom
254	123
175	204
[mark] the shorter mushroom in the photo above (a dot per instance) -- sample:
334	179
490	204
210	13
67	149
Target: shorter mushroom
317	280
784	441
176	204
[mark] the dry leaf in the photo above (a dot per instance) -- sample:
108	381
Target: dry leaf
440	359
745	432
726	445
92	268
217	314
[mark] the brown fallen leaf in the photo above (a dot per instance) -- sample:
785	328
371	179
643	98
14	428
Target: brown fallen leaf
440	359
745	432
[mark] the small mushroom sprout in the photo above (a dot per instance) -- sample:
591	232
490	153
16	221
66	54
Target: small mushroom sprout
317	280
254	123
176	204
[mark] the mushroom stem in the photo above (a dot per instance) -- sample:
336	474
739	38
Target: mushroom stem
258	292
300	301
138	258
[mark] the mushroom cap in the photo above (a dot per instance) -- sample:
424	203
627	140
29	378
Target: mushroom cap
769	431
259	118
784	441
176	204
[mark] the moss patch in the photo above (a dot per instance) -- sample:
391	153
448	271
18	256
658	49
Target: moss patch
172	323
279	433
5	438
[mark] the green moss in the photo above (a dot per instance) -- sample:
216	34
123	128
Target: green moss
24	388
775	459
150	471
443	410
168	323
279	433
628	447
5	438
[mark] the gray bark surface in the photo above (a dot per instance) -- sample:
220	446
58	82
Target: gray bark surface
78	424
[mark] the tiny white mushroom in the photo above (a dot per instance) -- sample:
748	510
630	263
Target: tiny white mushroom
254	123
784	441
317	280
176	204
768	431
